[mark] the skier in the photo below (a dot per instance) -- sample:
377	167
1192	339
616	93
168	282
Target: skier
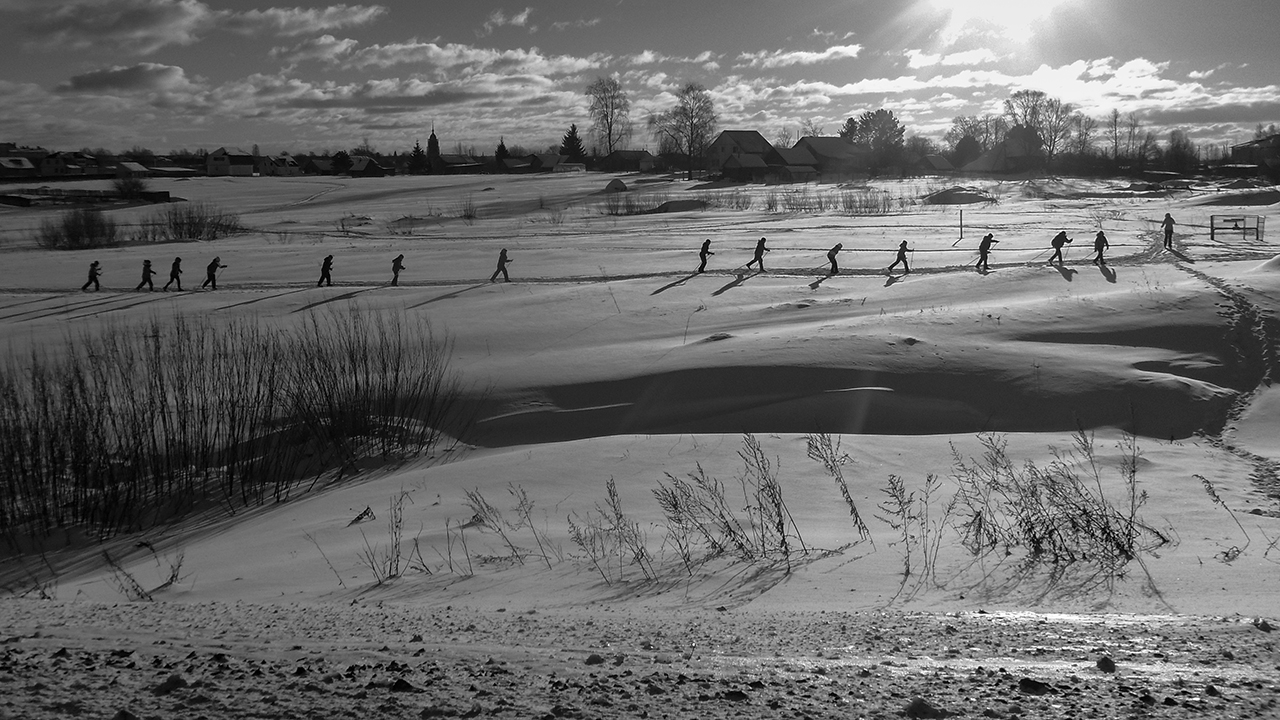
759	256
831	256
984	250
703	253
326	267
1100	244
175	273
1057	242
902	258
396	266
502	267
211	273
1168	224
94	272
147	272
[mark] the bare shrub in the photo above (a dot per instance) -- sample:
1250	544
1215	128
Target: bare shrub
195	222
823	450
130	187
79	229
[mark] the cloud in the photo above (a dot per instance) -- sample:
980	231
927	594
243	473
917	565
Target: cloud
917	59
498	19
468	59
143	77
574	24
784	58
145	26
1205	74
325	48
300	21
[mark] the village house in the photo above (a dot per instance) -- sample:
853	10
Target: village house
1263	153
736	143
790	165
279	166
17	167
229	162
836	158
628	161
365	166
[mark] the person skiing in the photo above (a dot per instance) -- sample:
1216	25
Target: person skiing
326	268
502	267
396	266
759	256
831	256
1057	242
175	275
211	273
703	253
984	250
902	258
1100	244
1168	224
147	272
94	271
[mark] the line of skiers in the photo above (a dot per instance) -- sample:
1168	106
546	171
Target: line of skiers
1059	241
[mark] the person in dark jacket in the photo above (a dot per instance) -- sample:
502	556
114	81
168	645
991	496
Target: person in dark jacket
831	256
902	257
984	250
1100	245
175	274
502	267
1168	224
326	268
95	270
147	272
759	256
211	273
1057	242
703	253
396	266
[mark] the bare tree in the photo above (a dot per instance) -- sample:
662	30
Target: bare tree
1181	155
1083	126
1113	131
810	128
783	138
1056	122
987	130
1026	108
610	113
1133	133
690	124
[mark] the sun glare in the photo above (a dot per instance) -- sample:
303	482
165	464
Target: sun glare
1012	17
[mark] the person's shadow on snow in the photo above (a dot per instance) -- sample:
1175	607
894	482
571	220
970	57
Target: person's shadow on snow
1107	272
889	281
668	286
818	283
1068	274
1180	256
741	278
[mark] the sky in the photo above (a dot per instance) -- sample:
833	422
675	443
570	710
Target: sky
187	74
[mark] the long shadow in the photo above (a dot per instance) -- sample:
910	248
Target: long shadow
104	311
818	283
668	286
1107	272
97	301
741	278
335	298
1180	256
893	280
27	302
258	300
446	296
1068	274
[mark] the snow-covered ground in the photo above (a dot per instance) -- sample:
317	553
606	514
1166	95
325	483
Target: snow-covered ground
607	358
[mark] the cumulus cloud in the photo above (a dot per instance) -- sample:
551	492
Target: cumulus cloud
145	26
469	59
784	58
143	77
917	59
325	48
498	19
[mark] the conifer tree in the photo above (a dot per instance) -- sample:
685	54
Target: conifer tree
572	146
501	153
418	160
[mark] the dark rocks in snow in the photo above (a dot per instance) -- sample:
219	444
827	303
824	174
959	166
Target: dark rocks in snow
173	682
1035	687
123	714
1106	664
920	708
595	659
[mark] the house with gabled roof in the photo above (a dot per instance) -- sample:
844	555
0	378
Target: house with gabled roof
629	161
1263	152
232	162
17	167
365	166
745	168
835	157
735	143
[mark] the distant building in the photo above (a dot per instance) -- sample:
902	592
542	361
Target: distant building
835	158
365	166
130	169
736	143
628	161
317	166
279	166
230	162
745	168
1263	153
17	167
791	165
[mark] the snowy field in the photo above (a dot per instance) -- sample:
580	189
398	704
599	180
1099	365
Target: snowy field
1144	385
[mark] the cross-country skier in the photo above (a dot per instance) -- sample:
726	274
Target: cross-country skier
984	250
831	256
147	272
175	274
1168	224
95	270
902	258
326	268
1057	242
1100	245
502	267
759	256
396	266
211	273
703	253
